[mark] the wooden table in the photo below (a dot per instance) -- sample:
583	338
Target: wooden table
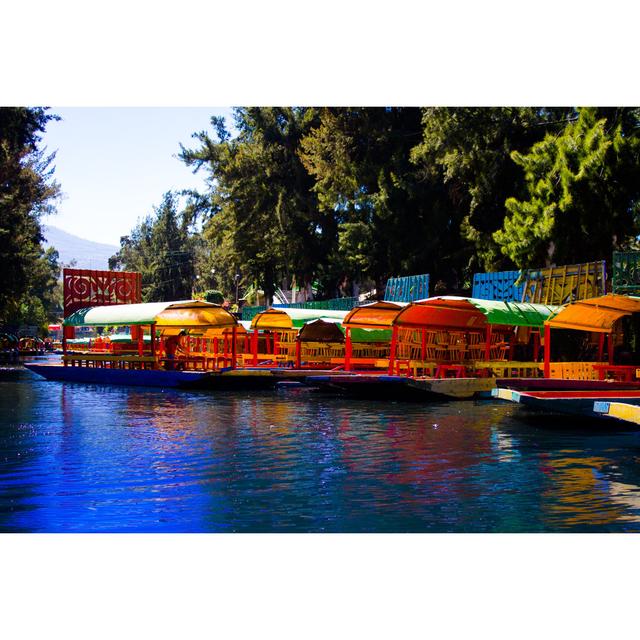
443	369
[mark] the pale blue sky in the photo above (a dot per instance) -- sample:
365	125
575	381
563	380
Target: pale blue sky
114	164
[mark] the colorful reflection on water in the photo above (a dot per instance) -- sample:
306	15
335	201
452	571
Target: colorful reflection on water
91	458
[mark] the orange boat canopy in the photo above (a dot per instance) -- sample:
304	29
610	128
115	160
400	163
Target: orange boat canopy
595	314
377	315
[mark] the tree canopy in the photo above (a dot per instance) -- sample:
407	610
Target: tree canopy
582	190
162	249
333	199
27	191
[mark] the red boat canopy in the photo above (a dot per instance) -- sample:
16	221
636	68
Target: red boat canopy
472	313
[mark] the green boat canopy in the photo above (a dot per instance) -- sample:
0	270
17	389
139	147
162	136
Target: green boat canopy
186	314
473	313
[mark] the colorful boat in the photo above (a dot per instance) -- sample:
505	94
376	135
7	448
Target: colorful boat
108	375
151	365
386	387
577	403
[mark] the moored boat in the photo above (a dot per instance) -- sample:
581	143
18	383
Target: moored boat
577	403
131	377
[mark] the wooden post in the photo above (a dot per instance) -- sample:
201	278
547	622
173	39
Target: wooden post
298	354
610	347
234	332
423	349
392	350
64	344
600	347
254	346
547	351
487	346
140	341
347	349
153	343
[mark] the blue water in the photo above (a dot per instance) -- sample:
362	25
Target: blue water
116	459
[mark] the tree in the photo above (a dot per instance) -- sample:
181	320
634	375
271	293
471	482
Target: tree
262	218
27	191
161	248
390	219
583	189
469	149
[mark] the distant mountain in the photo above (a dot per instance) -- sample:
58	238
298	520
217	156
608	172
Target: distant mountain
86	253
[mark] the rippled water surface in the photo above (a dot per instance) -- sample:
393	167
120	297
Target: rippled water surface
91	458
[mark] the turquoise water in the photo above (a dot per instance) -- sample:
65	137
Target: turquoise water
108	459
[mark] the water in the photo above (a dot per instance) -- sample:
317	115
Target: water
115	459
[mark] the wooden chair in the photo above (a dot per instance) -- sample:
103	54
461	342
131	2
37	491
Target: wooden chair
457	347
498	349
476	346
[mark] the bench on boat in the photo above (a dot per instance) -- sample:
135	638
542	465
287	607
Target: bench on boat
109	360
362	363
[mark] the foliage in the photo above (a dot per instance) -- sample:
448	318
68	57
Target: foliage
214	296
582	192
263	221
162	249
469	149
391	220
27	191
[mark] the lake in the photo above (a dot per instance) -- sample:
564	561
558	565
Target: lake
86	458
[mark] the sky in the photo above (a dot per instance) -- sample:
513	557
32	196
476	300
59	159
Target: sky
114	164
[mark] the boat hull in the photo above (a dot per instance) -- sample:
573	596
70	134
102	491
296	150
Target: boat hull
575	403
558	384
129	377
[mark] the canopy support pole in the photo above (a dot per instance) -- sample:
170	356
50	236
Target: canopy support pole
610	347
234	332
392	350
600	347
547	351
153	343
140	341
254	347
298	354
347	349
487	346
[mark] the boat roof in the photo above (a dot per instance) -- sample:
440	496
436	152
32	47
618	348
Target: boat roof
186	314
473	313
293	318
377	315
595	314
321	331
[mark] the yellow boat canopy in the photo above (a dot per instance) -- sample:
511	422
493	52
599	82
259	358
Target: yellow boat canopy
183	314
377	315
278	319
595	314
